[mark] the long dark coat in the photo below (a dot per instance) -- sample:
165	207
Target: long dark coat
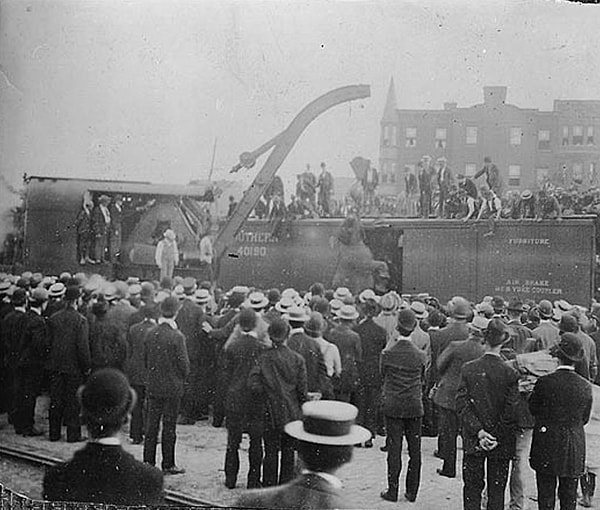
488	398
561	404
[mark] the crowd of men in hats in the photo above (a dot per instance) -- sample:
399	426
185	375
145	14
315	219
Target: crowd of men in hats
294	371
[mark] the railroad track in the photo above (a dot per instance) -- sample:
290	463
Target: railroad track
37	459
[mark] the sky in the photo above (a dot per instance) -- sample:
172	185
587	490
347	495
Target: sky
141	90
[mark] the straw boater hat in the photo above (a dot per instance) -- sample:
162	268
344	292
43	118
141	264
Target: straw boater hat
389	302
562	305
284	304
57	290
202	296
296	314
419	309
328	422
478	324
291	293
335	305
526	195
347	313
368	294
257	300
341	293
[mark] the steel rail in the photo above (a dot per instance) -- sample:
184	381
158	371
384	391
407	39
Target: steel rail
38	459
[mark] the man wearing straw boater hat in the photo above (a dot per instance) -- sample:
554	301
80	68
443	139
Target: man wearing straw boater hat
325	436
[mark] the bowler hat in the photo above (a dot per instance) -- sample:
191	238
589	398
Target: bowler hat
189	285
515	305
278	330
568	323
106	398
273	296
315	324
39	294
72	293
496	332
569	347
169	306
407	319
19	297
460	307
328	422
147	290
347	313
498	304
247	319
545	309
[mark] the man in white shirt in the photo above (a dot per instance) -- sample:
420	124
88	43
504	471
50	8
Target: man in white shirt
315	328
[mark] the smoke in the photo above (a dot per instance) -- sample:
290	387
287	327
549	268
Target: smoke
10	197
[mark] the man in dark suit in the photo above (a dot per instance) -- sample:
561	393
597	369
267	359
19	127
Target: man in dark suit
11	329
190	319
561	404
279	379
168	366
135	369
243	410
101	228
455	331
308	348
325	437
403	369
372	339
487	401
30	365
115	230
350	349
450	364
102	472
520	340
69	361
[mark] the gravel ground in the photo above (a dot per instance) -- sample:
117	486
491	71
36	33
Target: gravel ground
201	451
22	477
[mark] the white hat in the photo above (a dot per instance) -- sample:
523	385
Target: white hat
257	300
368	294
341	293
202	296
328	422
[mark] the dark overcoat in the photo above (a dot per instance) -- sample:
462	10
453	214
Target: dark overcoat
561	404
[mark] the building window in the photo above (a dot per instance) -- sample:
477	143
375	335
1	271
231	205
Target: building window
471	138
411	137
514	175
389	135
565	135
590	135
541	176
393	173
516	134
440	138
577	135
470	169
544	139
578	172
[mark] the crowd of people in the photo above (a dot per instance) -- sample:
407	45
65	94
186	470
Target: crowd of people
432	190
294	370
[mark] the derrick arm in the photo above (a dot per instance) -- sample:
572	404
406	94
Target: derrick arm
282	145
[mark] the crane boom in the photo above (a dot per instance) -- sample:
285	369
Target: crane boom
282	145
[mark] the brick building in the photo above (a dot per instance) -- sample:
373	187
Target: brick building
527	145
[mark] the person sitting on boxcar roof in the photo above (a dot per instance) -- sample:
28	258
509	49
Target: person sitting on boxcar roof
102	472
